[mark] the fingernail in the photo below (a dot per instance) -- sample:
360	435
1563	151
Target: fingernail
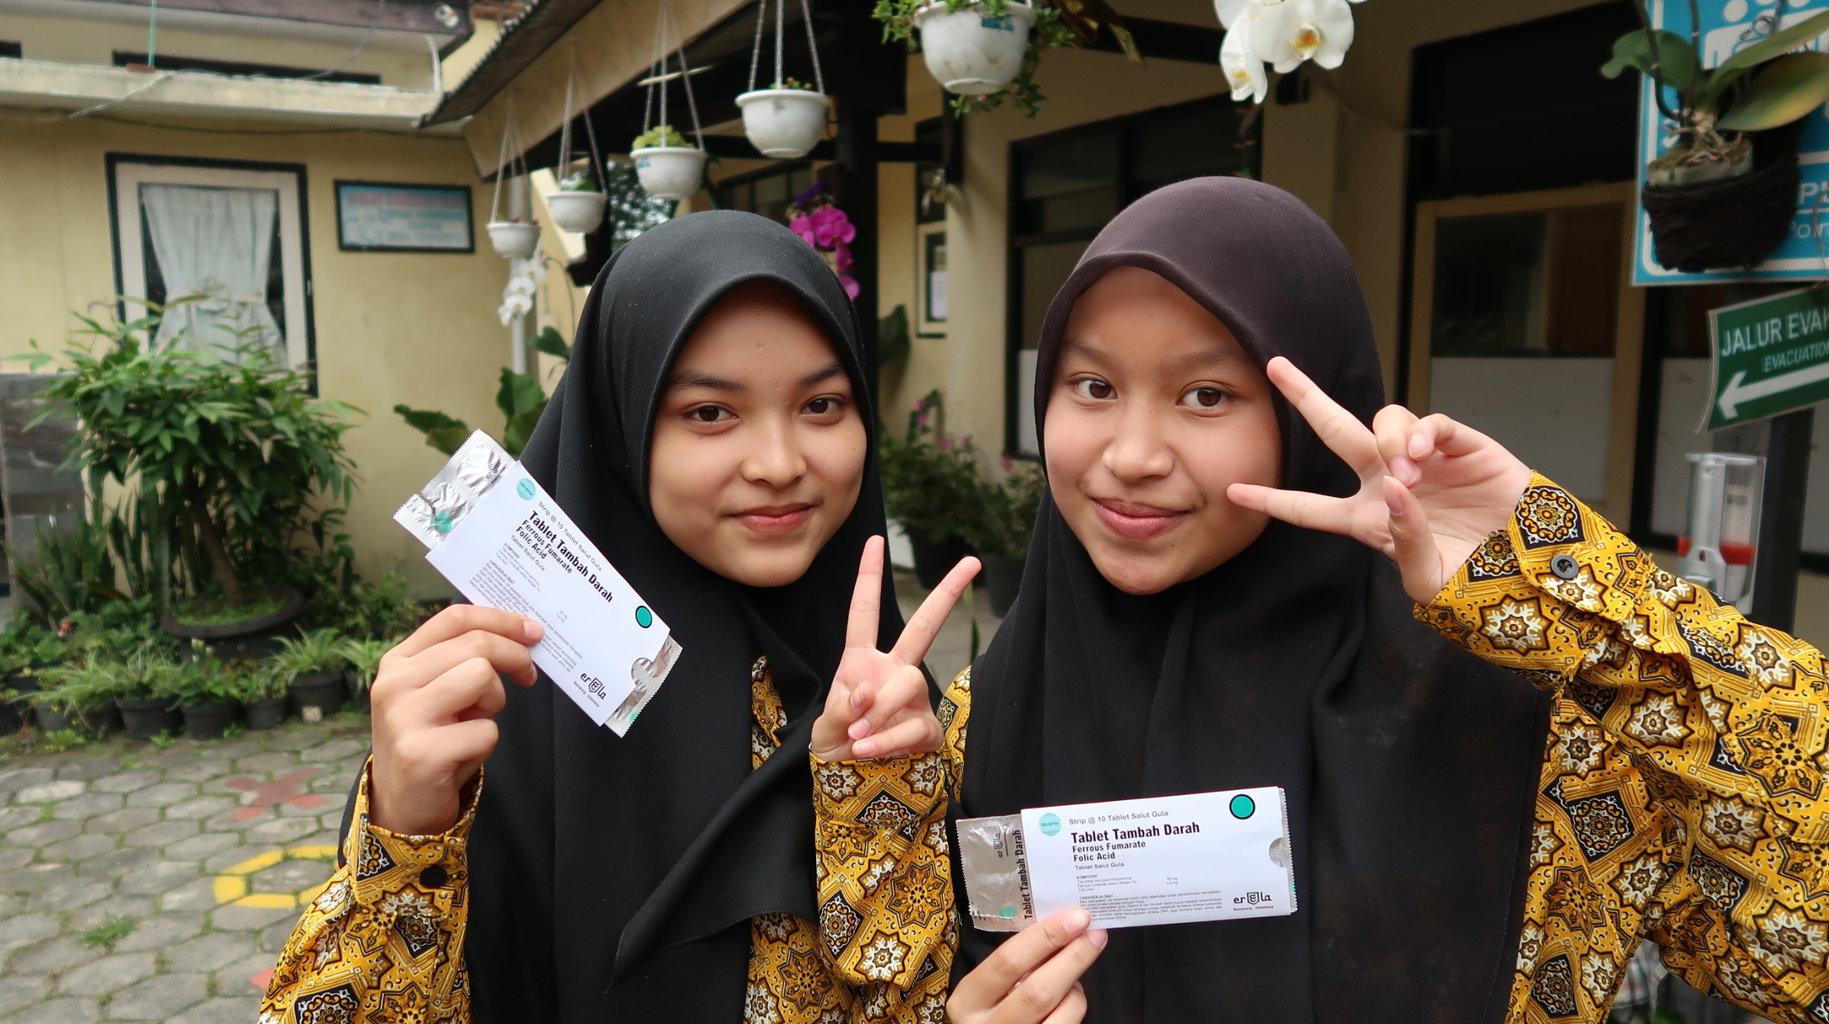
532	630
859	729
1392	501
1100	937
863	748
1077	921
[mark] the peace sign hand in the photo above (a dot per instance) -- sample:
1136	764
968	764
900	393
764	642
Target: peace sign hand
878	706
1431	489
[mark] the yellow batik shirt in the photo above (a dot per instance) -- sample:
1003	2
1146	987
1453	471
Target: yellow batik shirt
1682	784
385	939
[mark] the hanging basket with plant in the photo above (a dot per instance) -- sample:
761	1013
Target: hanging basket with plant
578	203
1723	190
787	119
667	166
514	233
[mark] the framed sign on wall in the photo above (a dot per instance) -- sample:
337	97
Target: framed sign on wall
375	216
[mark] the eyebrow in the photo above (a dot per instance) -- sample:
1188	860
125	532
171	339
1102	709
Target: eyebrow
687	379
1217	356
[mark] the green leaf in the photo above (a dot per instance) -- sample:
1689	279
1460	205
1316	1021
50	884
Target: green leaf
1787	89
518	393
552	343
1675	64
1775	45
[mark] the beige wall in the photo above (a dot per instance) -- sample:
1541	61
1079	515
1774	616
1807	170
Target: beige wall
390	327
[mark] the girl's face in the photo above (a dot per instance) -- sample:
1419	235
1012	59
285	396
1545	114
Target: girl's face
758	448
1155	408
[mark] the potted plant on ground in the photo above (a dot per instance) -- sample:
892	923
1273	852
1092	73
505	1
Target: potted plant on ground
1723	193
1006	522
148	693
364	657
76	696
930	486
26	648
669	167
209	693
223	455
312	663
264	698
986	51
578	203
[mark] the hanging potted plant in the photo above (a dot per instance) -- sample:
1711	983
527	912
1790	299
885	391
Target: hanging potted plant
987	51
667	166
786	120
1723	191
514	238
578	204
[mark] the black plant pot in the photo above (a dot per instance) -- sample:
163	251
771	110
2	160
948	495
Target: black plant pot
1002	577
933	558
209	721
250	638
10	717
317	694
95	721
52	719
144	719
266	714
1730	222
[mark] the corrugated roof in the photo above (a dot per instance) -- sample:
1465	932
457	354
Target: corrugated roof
524	37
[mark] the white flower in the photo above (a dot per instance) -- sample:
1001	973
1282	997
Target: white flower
1244	71
1286	33
1230	10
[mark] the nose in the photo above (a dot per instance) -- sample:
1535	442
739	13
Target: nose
775	458
1138	449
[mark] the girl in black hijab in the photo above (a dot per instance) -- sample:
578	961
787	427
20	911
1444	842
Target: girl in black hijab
712	435
1466	848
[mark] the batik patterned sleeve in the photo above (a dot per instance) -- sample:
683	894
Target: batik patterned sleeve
886	915
385	938
1683	780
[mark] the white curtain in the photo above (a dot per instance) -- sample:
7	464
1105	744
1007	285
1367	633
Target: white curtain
217	243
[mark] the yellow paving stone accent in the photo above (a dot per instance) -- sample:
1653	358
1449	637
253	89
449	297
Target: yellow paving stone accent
231	886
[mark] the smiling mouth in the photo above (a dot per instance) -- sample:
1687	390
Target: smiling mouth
1136	522
773	519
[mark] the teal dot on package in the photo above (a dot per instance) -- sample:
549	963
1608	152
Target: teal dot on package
525	489
441	522
643	617
1051	824
1243	806
1008	913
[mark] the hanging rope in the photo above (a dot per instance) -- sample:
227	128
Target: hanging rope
755	55
501	160
806	16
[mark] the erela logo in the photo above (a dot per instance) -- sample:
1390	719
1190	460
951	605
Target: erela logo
1251	898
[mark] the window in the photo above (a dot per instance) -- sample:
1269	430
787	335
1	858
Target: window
11	49
232	234
1064	187
767	192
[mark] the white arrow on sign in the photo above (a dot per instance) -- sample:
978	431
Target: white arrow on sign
1735	393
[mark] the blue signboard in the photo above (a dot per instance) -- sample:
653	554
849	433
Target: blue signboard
380	216
1727	26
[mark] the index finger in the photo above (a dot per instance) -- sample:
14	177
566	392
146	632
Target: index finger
925	623
867	598
458	619
1340	430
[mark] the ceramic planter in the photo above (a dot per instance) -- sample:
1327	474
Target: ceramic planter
317	694
209	721
266	714
144	719
669	172
576	211
969	53
784	123
513	239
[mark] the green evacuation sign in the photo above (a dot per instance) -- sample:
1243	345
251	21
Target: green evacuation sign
1771	356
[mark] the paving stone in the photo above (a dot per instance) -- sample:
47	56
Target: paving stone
32	878
295	739
291	875
17	992
42	834
125	820
12	780
239	976
158	931
126	781
222	1010
100	977
59	1011
24	929
272	763
229	750
14	857
273	937
21	815
162	794
209	952
137	907
88	805
117	862
335	751
94	768
217	863
335	783
69	893
198	808
161	833
52	956
10	904
198	895
77	848
281	831
158	998
155	879
249	919
202	845
174	756
62	789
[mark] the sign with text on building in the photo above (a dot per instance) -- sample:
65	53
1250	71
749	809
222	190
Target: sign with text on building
1726	27
1771	356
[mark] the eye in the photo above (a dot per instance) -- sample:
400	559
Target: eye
826	406
1090	388
709	414
1205	397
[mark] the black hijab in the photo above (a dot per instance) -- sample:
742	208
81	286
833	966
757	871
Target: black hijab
1410	766
614	879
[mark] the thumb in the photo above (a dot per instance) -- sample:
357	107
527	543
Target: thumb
1412	543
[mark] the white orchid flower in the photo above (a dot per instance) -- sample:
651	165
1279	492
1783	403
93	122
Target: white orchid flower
1286	33
1244	71
1230	10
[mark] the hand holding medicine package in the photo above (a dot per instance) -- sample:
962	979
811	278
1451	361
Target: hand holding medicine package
504	543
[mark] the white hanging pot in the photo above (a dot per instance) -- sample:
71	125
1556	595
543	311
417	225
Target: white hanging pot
576	211
970	53
784	123
669	172
514	239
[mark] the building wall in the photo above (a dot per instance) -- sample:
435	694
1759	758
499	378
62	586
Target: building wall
390	327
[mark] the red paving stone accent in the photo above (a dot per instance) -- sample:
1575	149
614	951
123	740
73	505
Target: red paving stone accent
289	790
